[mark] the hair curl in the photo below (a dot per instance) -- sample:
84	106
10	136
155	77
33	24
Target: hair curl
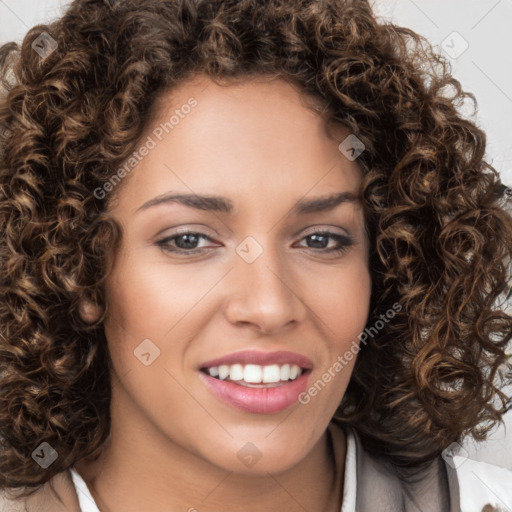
441	238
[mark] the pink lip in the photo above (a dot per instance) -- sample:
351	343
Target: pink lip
257	400
261	358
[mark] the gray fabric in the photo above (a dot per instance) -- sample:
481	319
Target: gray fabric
380	489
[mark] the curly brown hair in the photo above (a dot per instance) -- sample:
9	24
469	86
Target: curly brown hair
440	235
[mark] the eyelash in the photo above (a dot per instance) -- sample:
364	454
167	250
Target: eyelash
345	241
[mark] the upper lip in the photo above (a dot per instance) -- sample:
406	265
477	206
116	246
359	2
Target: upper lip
261	358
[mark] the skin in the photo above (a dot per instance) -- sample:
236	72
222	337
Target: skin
174	444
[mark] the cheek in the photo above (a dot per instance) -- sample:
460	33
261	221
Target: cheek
148	299
341	301
160	302
342	311
350	311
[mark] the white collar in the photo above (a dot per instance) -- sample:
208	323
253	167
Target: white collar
85	499
350	479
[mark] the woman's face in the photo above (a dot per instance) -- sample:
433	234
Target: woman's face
251	290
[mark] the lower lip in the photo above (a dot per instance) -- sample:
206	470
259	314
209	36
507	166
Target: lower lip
257	400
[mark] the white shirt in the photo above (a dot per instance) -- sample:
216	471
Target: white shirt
87	503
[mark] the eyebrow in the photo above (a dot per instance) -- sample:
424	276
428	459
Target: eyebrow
224	205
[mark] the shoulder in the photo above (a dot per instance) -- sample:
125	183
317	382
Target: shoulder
450	484
480	484
57	495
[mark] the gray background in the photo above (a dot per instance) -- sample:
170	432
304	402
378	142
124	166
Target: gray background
476	37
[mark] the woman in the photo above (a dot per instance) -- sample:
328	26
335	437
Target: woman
251	256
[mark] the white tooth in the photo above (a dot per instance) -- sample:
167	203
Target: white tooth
271	373
236	372
294	371
214	371
285	372
252	373
223	371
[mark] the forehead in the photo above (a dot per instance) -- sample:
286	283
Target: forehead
258	135
260	105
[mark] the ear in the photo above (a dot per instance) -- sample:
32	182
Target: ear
88	311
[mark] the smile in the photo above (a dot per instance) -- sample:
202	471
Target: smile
257	382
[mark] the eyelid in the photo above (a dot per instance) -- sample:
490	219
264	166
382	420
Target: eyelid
323	228
189	228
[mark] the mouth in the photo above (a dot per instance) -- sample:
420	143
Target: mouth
257	382
256	376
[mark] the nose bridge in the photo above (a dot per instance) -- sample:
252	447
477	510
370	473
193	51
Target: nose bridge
262	293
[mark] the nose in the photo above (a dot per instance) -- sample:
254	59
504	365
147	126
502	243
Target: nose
264	294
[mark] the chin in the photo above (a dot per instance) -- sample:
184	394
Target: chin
257	459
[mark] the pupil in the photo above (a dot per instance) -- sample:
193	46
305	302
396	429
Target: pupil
190	241
314	239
